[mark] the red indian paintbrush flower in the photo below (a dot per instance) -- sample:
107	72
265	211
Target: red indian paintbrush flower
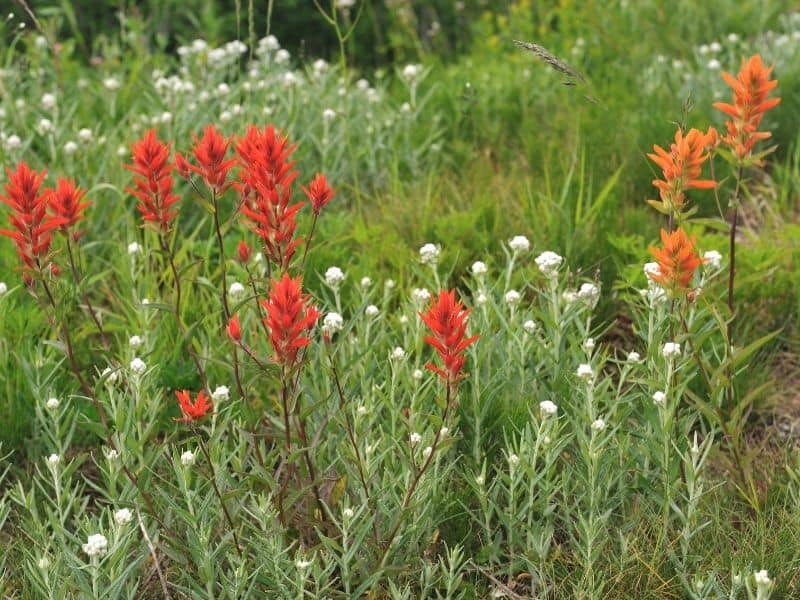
209	152
681	167
234	329
319	193
289	317
192	411
677	262
751	87
32	227
153	181
66	202
447	319
266	178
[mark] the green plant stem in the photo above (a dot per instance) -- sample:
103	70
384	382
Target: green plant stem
89	308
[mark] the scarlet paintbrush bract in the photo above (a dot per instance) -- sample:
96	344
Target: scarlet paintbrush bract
447	319
192	411
677	261
289	317
152	184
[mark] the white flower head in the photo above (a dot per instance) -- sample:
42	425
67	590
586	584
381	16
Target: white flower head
420	296
302	563
389	284
53	403
236	290
110	454
427	451
3	288
362	410
372	311
480	480
548	263
398	353
138	366
328	115
762	578
282	56
585	372
111	83
417	374
479	268
221	393
48	101
651	269
53	460
548	408
44	126
481	299
320	66
187	458
334	276
96	545
714	64
348	513
529	326
519	243
712	259
513	460
411	72
85	135
123	516
429	254
659	397
111	375
414	438
589	293
70	147
135	341
598	425
733	38
12	142
634	357
134	248
332	323
588	345
403	320
512	297
671	350
366	282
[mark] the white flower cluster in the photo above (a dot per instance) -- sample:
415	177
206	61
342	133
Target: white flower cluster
334	276
429	254
332	323
96	545
549	263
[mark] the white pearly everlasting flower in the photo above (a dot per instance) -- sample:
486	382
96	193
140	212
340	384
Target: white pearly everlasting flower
398	353
348	513
443	432
3	288
53	460
415	438
588	344
362	410
585	372
123	516
110	375
420	296
96	545
659	397
429	254
236	290
529	326
481	299
303	564
70	147
334	276
634	357
411	72
548	408
135	341
714	64
403	320
48	101
512	297
372	311
389	284
589	292
187	458
328	115
712	259
519	243
598	425
548	263
651	269
134	248
53	403
762	578
111	83
427	452
671	350
332	323
513	460
479	268
85	135
417	374
221	393
320	65
110	454
44	126
138	366
282	56
366	282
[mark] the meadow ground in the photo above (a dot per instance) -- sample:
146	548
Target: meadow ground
437	315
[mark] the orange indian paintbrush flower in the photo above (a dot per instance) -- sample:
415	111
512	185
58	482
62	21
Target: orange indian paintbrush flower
209	152
447	319
32	226
153	182
289	317
234	329
66	202
751	86
677	262
319	193
192	411
682	166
